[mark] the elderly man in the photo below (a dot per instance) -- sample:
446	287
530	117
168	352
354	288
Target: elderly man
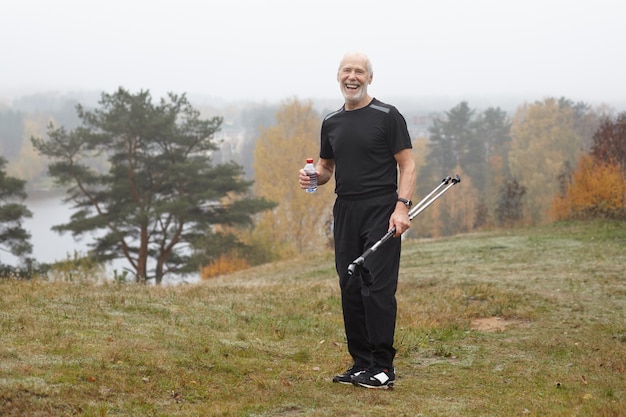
366	145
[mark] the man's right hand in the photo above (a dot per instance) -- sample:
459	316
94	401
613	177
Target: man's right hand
304	179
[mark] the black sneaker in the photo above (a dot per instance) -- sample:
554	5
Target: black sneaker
375	378
346	377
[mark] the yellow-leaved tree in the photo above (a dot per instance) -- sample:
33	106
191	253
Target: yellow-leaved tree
31	166
547	135
301	221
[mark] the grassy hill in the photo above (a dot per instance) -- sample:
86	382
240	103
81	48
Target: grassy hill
518	323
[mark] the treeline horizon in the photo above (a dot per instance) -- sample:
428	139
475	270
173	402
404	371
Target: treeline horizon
529	166
29	115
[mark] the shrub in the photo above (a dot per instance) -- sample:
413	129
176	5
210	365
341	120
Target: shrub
224	264
597	190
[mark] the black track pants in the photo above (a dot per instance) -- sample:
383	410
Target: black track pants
370	320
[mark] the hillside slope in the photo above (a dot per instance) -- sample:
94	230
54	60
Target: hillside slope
526	322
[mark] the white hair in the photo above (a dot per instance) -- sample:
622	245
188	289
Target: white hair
370	68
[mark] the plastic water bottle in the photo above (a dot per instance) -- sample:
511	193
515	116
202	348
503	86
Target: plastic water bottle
309	168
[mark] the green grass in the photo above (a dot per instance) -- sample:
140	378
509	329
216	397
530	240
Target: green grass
266	341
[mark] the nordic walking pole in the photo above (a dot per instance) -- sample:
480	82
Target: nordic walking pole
422	205
443	182
448	182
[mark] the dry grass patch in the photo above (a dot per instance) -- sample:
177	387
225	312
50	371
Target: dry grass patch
527	323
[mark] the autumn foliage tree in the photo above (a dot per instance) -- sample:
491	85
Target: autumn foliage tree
597	187
597	190
300	221
609	141
547	135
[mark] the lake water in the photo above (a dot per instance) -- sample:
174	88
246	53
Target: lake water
50	246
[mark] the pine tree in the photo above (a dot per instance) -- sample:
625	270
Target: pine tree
161	194
14	238
510	206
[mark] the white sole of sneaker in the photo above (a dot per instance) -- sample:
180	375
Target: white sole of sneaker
388	386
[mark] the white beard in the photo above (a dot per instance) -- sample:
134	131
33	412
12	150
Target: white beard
351	97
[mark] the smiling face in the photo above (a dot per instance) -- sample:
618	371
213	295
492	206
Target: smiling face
354	75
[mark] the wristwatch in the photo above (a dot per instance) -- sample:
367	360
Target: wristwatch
406	202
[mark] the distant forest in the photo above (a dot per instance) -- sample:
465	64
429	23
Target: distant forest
521	163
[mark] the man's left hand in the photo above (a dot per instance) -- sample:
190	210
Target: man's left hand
400	219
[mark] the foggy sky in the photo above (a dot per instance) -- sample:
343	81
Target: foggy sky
276	49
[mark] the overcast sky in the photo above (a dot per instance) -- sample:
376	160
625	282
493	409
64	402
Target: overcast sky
268	50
